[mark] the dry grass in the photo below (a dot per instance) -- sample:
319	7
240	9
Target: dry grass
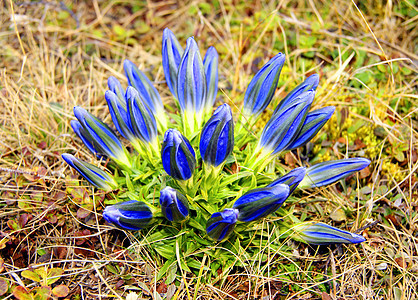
50	64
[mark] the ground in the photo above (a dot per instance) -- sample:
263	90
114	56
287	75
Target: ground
55	55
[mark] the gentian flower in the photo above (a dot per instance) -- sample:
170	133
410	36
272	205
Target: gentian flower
104	138
329	172
143	85
283	127
217	137
259	203
221	224
291	179
261	89
310	83
119	114
115	86
174	205
177	155
323	234
141	118
97	177
85	137
210	63
130	215
171	53
191	86
314	121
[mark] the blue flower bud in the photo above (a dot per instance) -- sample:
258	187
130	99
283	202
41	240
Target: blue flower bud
171	53
141	118
115	86
130	215
259	203
314	121
119	115
174	205
104	138
177	155
210	62
221	224
262	87
97	177
191	79
217	137
85	137
144	87
323	234
331	171
291	179
283	127
310	83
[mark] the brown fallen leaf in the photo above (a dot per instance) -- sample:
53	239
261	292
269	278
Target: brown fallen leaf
60	290
325	296
4	286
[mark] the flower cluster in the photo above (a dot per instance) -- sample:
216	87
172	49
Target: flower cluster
209	139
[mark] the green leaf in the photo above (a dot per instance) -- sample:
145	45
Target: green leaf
171	274
42	293
129	184
31	275
165	251
112	269
356	126
54	272
165	267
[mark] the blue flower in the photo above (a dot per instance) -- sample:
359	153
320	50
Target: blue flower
130	215
291	179
314	121
261	89
191	79
259	203
221	224
141	118
97	177
171	53
119	114
174	205
323	234
177	155
144	87
104	138
217	137
210	63
331	171
283	127
310	83
115	86
85	137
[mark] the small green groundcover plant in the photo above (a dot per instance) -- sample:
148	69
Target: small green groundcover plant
199	181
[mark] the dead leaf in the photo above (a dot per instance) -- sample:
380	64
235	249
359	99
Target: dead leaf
82	213
60	290
401	262
4	286
365	172
392	219
338	215
1	264
21	293
162	288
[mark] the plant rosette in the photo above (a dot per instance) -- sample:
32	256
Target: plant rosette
198	183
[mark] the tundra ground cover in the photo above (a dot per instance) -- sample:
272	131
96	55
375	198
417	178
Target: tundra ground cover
57	56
